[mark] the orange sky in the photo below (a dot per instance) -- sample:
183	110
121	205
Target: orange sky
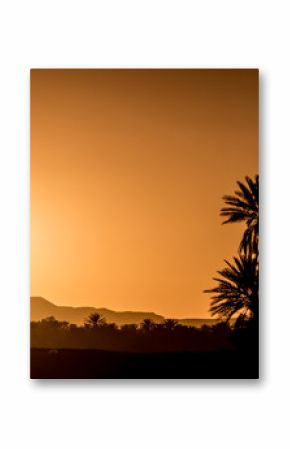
128	168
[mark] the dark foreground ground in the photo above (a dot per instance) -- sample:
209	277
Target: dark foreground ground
98	364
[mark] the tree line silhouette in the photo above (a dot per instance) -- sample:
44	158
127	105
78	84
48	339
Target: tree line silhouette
149	336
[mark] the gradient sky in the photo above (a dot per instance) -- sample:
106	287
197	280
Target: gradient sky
128	170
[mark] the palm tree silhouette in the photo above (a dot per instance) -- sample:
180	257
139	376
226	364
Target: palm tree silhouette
237	290
169	324
147	325
244	207
95	320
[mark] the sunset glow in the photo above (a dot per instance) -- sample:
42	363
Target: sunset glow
128	170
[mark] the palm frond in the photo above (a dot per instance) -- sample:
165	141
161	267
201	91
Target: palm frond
237	288
243	206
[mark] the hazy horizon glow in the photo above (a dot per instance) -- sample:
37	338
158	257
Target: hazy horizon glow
128	170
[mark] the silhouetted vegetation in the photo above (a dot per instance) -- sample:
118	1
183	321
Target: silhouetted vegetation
237	292
244	207
95	320
147	337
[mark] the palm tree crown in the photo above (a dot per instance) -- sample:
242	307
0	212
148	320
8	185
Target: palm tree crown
244	207
237	289
169	324
95	320
147	325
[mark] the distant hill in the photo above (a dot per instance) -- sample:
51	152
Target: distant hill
42	308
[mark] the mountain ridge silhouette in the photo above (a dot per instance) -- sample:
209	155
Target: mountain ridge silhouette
41	308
